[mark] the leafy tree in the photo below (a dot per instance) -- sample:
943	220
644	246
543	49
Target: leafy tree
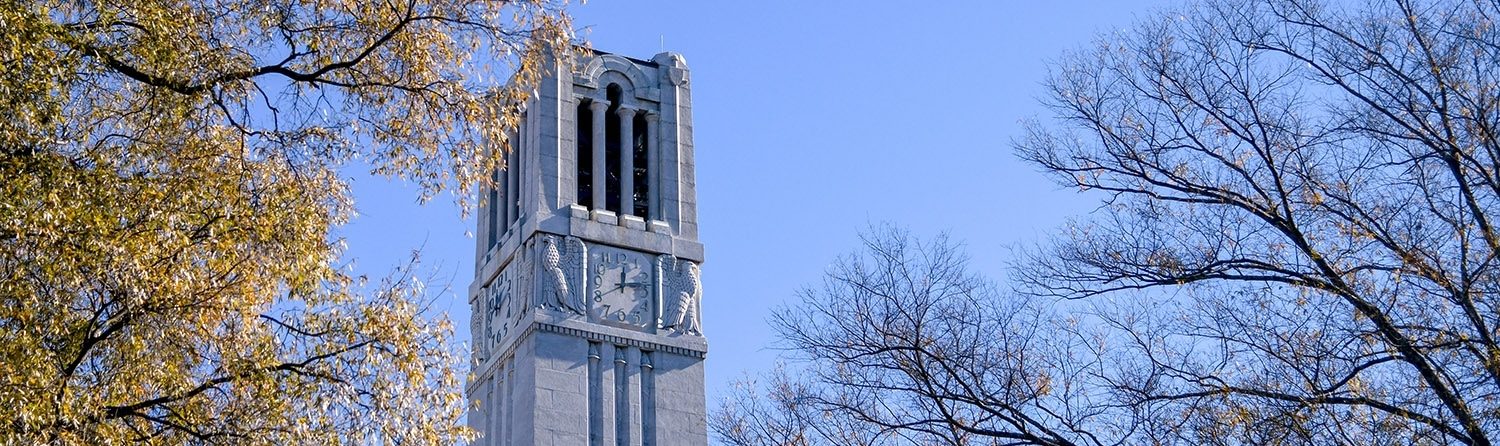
170	174
1297	243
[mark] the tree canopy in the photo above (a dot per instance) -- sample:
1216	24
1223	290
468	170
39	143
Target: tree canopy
170	175
1297	245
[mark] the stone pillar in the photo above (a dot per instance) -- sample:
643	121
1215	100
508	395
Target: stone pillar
633	395
653	211
599	106
627	161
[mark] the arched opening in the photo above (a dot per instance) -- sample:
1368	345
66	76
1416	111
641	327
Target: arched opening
613	154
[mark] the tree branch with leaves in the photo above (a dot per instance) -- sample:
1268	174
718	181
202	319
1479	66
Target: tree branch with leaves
171	175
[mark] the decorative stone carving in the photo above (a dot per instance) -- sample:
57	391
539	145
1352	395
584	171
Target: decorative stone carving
675	66
477	330
594	73
682	293
562	269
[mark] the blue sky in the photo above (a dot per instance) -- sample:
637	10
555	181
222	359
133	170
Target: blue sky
812	120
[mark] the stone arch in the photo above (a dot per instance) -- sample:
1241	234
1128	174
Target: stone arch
608	67
627	87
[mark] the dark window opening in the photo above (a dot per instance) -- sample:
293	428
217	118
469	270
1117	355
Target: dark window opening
585	160
513	175
492	232
642	186
612	149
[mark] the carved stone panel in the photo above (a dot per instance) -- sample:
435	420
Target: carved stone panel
682	296
477	328
561	269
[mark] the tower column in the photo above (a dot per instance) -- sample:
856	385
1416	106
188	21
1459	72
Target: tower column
627	161
598	107
653	211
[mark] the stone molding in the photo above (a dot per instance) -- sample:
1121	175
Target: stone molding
685	345
618	340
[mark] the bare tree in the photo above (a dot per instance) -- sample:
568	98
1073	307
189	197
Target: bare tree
1297	246
903	344
785	415
1306	193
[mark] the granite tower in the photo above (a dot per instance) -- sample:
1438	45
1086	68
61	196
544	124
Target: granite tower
586	296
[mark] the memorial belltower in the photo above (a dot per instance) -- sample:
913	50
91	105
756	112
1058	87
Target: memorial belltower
586	291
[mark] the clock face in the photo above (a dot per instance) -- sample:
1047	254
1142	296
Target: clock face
501	305
620	288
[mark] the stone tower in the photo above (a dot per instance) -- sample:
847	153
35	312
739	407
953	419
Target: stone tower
586	292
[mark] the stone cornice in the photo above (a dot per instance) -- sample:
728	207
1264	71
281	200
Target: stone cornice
619	340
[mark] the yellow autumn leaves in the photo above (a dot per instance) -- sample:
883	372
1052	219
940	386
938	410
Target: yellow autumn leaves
169	175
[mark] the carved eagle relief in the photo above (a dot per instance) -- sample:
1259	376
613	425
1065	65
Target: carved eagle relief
682	294
561	274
